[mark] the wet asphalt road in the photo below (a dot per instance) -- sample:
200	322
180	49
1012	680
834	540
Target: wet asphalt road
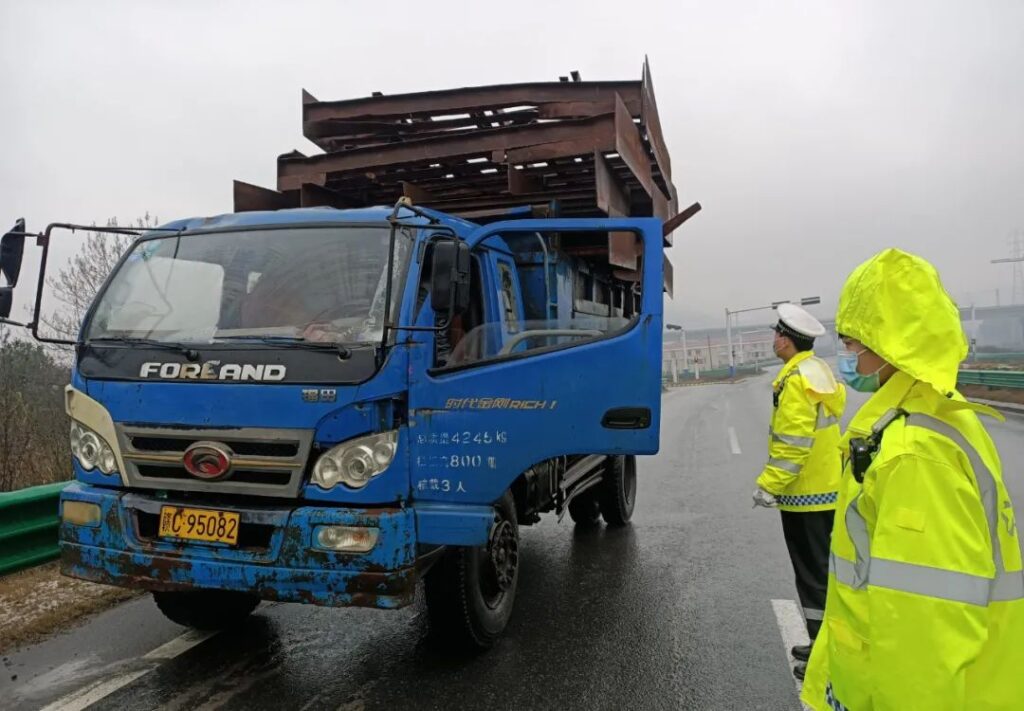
671	612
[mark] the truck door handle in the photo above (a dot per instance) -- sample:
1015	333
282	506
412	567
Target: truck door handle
627	418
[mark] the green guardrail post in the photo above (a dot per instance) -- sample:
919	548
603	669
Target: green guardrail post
28	526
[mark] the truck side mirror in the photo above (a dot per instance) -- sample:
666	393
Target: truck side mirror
12	247
449	284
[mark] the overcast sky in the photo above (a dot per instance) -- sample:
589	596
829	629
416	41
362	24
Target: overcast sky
814	133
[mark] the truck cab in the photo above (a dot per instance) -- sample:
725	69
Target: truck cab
329	406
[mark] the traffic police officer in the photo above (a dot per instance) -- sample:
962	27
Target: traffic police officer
925	604
801	477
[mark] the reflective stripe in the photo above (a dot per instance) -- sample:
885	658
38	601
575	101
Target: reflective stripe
793	440
785	464
825	420
843	569
857	529
925	580
811	614
1006	585
918	579
807	499
933	582
830	699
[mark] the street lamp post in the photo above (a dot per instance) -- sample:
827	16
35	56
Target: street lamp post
675	373
806	301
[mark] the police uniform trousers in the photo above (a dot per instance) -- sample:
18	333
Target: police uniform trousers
808	537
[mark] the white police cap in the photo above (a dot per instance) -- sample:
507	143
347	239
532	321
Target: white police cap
797	320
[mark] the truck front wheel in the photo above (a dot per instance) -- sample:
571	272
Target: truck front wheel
618	490
585	509
206	609
471	591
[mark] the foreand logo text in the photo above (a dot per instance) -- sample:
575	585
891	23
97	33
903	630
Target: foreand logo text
213	370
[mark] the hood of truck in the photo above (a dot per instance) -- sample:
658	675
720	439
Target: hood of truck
282	428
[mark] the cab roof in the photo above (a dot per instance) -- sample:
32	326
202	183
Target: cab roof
312	215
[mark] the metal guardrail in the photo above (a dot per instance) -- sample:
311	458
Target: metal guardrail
28	526
983	356
689	376
992	378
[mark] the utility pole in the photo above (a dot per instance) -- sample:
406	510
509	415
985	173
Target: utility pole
1016	243
728	338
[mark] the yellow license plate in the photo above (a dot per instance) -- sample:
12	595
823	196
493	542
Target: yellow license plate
198	524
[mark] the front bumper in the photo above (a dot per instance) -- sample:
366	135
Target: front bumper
275	558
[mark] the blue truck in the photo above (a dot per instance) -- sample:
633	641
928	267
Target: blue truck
331	404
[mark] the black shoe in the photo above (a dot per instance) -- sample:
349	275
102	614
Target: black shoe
801	652
799	670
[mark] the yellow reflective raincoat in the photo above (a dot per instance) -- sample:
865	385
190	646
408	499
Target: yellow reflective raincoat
925	606
803	440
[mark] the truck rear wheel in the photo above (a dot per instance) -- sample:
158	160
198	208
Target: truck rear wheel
471	591
618	490
585	509
206	609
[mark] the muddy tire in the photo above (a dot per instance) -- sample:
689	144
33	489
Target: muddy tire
618	490
470	592
206	609
585	509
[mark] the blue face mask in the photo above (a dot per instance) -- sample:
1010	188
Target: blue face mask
848	371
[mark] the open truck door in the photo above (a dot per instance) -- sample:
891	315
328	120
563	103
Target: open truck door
519	392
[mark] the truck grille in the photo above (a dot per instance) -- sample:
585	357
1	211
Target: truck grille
265	462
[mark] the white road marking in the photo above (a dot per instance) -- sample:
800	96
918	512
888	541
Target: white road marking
734	441
91	693
88	695
179	645
792	628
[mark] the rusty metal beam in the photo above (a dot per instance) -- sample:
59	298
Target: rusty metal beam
660	209
674	223
586	250
649	119
538	210
341	130
612	197
294	171
630	147
252	198
456	101
556	149
316	196
483	201
613	200
415	193
623	250
520	182
583	109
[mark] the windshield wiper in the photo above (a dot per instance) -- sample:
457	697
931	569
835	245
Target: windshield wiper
344	352
189	353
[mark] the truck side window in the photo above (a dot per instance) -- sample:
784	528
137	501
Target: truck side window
449	340
545	300
509	302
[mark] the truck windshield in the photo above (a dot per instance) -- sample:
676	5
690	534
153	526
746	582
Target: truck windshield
298	283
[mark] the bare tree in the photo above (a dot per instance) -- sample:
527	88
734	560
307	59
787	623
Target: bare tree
76	283
33	430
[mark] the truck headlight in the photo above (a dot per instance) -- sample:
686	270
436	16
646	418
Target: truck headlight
355	462
91	450
346	539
